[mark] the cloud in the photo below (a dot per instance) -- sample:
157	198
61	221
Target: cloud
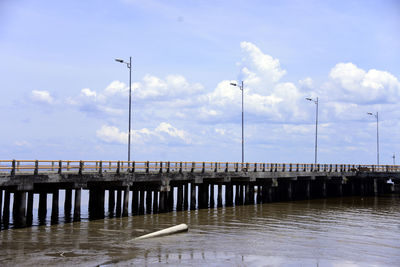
264	64
352	84
42	97
164	133
112	134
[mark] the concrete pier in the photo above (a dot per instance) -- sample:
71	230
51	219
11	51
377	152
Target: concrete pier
154	187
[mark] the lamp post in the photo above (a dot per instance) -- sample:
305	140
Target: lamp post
241	87
377	134
316	127
129	65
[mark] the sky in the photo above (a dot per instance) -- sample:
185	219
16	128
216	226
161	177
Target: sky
63	96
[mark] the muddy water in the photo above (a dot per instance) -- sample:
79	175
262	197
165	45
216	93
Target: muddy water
333	232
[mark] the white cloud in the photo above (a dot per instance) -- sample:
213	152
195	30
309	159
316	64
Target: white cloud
352	84
112	134
172	131
264	64
88	93
42	97
162	133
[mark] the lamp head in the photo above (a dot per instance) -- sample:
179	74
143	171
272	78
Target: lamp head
234	84
119	60
369	113
309	99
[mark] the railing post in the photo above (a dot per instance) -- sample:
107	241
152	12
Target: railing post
180	167
236	167
161	163
80	167
290	167
13	167
203	169
193	166
52	166
263	167
168	166
118	167
101	167
247	167
147	166
276	167
226	167
36	171
133	166
59	166
255	167
68	165
283	167
215	167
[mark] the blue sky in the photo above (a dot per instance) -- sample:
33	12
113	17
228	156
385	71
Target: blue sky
64	96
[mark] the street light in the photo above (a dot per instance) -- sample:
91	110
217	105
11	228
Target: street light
241	88
377	134
316	126
129	65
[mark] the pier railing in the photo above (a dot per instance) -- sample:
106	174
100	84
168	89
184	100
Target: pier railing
36	167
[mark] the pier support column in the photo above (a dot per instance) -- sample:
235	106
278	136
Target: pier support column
162	206
111	202
340	189
42	208
270	194
192	196
68	204
289	190
237	195
179	201
228	195
126	201
259	194
170	199
29	209
148	201
141	202
155	201
247	194
186	196
119	203
212	200
251	193
77	204
323	189
19	207
376	189
241	193
135	201
308	185
54	207
6	209
219	198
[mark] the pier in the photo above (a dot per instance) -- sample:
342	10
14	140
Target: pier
159	187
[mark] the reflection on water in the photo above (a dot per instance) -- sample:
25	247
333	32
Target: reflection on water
362	231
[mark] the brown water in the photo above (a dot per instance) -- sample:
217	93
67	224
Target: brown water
333	232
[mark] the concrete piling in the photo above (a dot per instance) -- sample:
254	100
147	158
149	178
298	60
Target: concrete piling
148	201
19	208
126	201
111	202
77	204
219	197
29	209
192	196
54	207
42	207
135	202
119	203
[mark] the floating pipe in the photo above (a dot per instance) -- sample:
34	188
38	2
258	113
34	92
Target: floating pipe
168	231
